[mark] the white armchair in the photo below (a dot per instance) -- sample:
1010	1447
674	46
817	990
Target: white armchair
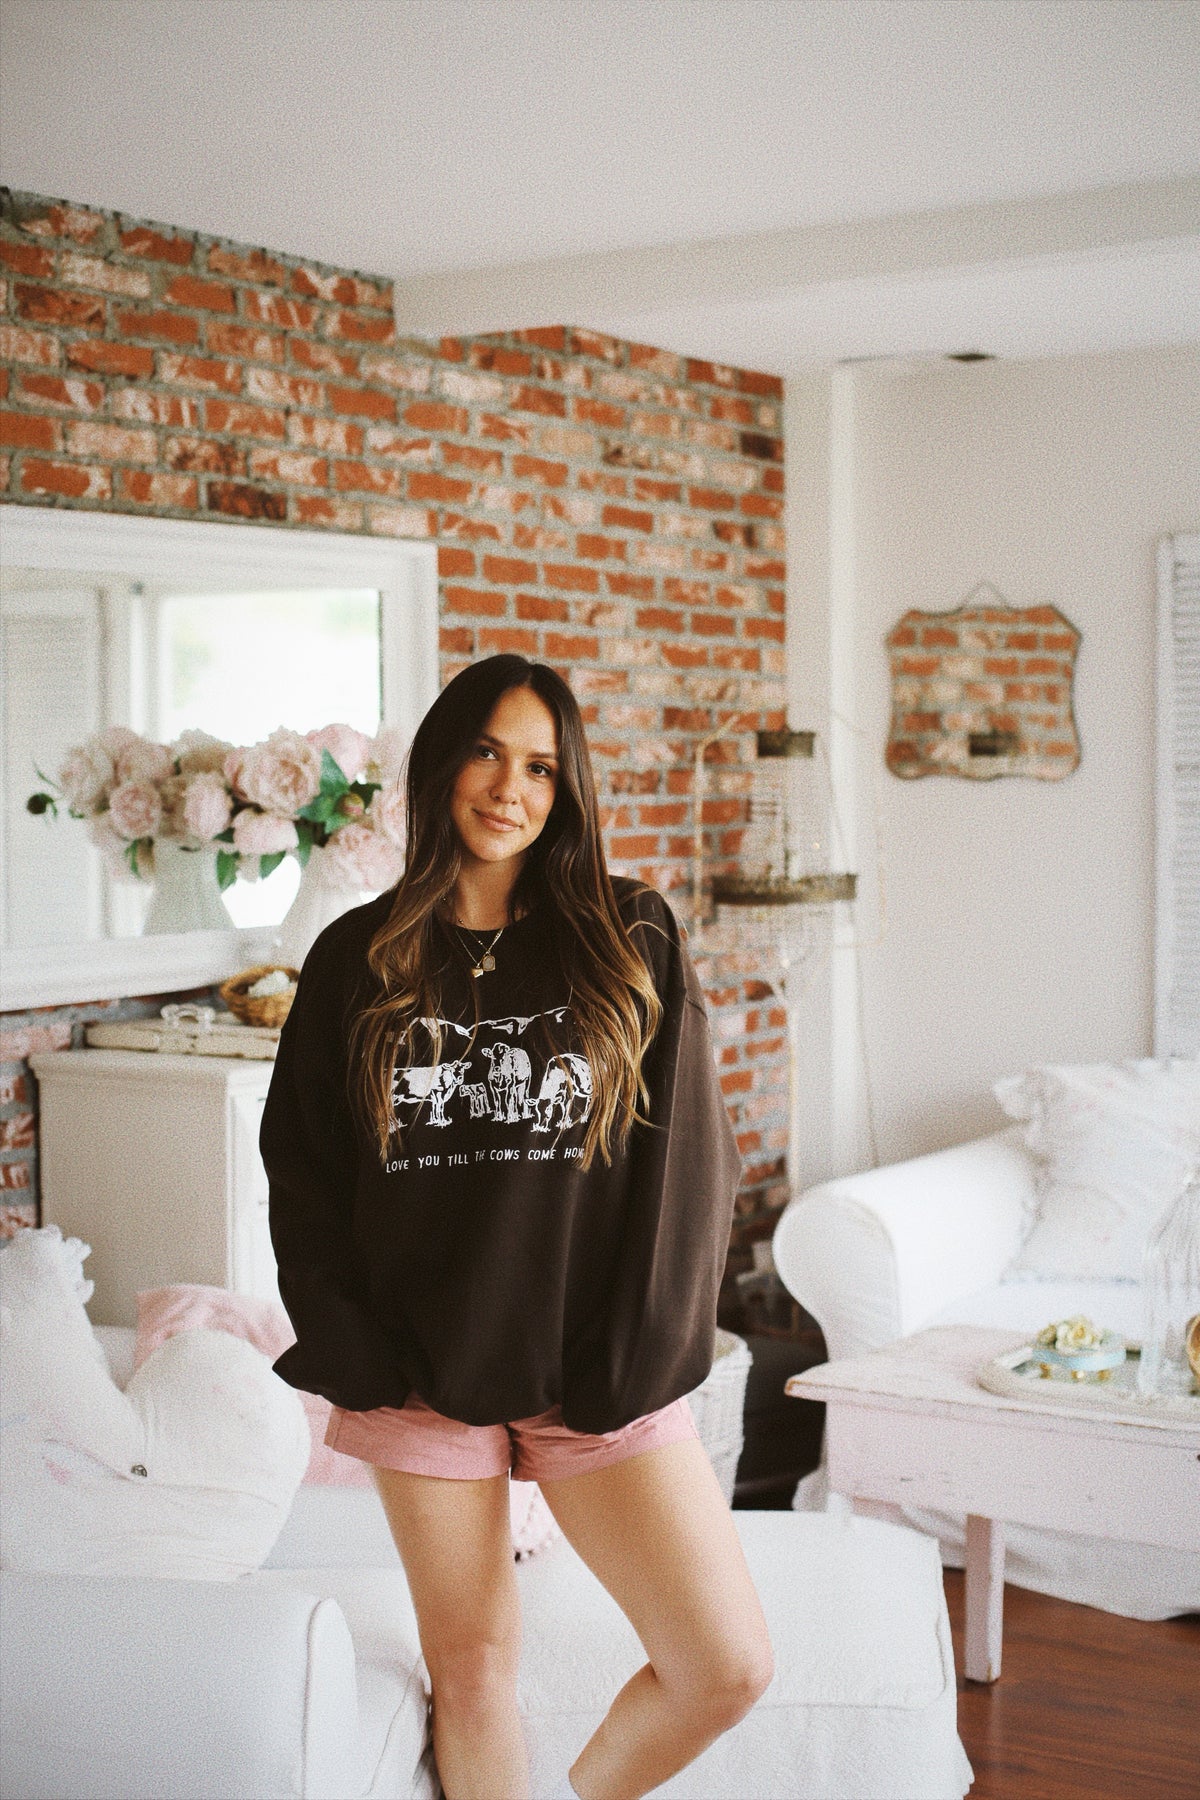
876	1256
879	1255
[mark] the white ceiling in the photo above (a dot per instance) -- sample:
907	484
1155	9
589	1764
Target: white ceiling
420	138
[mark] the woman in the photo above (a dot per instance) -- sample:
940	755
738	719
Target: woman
496	1262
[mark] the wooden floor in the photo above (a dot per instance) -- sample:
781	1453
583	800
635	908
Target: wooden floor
1089	1706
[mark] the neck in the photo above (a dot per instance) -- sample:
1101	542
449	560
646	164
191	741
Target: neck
481	909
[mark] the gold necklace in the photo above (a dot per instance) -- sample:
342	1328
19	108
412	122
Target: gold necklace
487	961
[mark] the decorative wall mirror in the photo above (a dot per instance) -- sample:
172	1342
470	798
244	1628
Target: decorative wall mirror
166	625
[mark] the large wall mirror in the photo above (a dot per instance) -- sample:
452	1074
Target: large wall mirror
166	627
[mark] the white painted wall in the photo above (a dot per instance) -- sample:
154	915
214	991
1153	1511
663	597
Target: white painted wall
1019	913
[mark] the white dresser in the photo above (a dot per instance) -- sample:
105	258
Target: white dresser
153	1160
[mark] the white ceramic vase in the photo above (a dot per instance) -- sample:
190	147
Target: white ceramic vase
317	904
186	896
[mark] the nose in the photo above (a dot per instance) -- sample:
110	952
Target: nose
505	786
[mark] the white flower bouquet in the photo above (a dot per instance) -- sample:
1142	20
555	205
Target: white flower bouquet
1075	1333
1080	1348
333	789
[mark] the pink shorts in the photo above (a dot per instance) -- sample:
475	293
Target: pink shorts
416	1438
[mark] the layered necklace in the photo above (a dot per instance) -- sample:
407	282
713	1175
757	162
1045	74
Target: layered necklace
486	961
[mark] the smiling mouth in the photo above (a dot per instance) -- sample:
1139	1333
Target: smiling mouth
498	824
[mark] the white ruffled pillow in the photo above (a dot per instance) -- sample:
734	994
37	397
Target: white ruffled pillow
1114	1144
190	1472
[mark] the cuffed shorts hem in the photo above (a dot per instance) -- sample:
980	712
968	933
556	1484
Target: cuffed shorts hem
416	1439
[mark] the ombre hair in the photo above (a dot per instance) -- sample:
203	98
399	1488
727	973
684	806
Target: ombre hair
613	1000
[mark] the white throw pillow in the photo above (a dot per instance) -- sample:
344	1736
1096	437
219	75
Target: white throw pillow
190	1472
1114	1144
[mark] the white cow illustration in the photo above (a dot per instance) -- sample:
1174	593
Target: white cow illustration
510	1073
556	1095
435	1084
476	1095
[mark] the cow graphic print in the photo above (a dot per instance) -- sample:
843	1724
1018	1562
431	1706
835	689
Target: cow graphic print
496	1080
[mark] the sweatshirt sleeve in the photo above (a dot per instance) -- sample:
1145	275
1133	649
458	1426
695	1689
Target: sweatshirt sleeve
653	1337
310	1151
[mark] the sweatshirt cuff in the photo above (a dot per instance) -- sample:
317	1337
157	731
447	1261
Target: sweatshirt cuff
300	1371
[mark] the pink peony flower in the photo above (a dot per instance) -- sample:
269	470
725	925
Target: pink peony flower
233	766
143	761
85	777
112	849
388	814
281	775
387	755
348	748
358	858
199	754
263	833
115	738
205	808
171	793
134	809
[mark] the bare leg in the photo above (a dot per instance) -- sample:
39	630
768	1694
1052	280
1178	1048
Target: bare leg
655	1529
455	1541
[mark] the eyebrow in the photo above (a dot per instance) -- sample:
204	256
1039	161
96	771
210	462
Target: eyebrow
541	755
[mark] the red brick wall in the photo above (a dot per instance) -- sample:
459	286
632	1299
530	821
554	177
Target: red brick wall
609	508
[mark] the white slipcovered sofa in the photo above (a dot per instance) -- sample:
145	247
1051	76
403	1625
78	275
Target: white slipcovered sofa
303	1679
876	1256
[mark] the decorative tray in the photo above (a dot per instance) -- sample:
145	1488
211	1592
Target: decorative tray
1018	1375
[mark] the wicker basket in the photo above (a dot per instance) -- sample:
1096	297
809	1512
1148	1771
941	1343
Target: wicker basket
718	1405
267	1009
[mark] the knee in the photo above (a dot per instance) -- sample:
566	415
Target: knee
725	1690
474	1674
749	1679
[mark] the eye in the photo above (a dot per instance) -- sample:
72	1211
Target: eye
542	767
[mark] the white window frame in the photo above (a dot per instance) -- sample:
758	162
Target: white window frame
1176	953
223	557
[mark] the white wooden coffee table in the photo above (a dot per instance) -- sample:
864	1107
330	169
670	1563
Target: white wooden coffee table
909	1424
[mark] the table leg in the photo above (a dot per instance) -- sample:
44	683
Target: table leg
985	1597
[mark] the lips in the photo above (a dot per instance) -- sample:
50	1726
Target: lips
498	824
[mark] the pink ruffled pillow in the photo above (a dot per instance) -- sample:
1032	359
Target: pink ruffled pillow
188	1306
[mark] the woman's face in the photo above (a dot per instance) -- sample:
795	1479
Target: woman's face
511	776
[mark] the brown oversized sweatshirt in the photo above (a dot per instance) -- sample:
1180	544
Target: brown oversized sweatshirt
478	1265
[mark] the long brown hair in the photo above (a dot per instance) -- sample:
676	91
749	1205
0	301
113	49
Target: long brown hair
612	995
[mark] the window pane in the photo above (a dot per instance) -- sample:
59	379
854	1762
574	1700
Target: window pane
240	665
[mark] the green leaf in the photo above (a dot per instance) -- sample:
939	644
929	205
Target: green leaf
227	868
322	808
134	853
267	865
332	779
305	836
224	837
